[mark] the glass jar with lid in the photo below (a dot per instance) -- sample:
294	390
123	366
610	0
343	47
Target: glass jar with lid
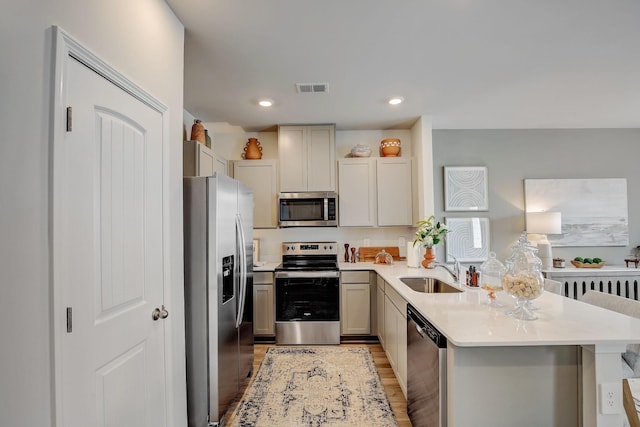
523	279
383	257
491	273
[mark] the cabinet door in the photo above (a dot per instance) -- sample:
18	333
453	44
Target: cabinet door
391	333
219	165
354	304
393	178
292	153
380	309
260	176
357	192
197	159
263	320
321	158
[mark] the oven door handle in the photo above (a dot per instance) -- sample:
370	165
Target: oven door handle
305	274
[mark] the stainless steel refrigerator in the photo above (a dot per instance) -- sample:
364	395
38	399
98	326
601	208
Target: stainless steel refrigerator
218	255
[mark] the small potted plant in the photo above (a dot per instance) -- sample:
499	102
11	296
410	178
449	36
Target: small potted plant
430	233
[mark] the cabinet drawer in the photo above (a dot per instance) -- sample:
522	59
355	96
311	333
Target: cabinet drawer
263	277
355	276
396	299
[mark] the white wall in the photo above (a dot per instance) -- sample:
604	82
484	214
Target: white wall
144	41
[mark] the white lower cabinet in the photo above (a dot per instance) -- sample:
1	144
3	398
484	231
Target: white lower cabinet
263	304
395	334
355	303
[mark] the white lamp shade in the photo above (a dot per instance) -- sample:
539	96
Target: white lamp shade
544	222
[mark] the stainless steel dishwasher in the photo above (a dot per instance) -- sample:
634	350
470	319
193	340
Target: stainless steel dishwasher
426	372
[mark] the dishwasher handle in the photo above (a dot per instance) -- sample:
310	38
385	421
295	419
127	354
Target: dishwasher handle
423	327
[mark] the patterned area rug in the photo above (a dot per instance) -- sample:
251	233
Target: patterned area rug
316	387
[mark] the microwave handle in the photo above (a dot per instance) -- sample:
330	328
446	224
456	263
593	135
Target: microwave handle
326	209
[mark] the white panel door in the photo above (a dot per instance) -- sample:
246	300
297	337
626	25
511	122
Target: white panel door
109	256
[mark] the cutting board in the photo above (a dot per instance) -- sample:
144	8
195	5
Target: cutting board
368	253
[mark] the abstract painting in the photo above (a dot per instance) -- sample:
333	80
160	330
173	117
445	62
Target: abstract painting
465	188
594	211
468	239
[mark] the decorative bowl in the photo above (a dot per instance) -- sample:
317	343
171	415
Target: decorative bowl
579	264
361	150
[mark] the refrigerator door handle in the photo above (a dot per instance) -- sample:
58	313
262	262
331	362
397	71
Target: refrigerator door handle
243	270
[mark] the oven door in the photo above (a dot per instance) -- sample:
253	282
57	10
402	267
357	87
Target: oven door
307	296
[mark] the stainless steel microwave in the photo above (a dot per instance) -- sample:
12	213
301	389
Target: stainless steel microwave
313	209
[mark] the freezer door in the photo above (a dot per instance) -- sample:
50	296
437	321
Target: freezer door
223	335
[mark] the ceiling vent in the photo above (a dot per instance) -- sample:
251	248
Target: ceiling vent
312	87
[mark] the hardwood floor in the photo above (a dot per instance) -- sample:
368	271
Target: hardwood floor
391	385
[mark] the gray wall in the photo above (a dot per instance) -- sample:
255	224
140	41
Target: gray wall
513	155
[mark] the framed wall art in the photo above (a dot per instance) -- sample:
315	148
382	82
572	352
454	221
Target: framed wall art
466	188
468	239
594	211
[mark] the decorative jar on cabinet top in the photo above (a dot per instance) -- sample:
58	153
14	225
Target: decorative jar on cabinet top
390	147
252	150
197	132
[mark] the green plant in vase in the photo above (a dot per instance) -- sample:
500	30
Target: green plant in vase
430	233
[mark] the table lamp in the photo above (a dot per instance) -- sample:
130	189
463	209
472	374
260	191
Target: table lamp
543	223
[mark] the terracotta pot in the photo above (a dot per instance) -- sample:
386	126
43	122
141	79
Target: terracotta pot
253	150
390	147
197	132
429	258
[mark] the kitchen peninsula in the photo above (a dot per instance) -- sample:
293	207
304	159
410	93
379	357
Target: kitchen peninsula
503	371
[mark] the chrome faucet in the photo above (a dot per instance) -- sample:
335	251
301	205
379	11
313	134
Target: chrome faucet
455	273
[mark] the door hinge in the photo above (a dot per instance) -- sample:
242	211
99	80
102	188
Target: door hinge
69	119
69	320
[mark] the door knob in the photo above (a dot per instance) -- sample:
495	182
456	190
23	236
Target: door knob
164	313
159	313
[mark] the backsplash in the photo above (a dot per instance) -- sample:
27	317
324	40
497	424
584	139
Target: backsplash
271	239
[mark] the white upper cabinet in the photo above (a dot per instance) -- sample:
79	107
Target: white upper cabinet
307	158
261	177
198	160
375	192
393	179
357	192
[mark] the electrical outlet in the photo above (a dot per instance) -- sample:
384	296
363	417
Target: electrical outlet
402	242
610	398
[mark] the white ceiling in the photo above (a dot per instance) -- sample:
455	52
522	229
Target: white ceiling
469	64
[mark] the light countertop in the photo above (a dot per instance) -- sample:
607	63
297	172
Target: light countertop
468	323
265	266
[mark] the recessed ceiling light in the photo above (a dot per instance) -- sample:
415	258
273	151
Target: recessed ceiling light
395	100
265	102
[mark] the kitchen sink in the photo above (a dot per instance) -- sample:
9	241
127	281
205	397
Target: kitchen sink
428	285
